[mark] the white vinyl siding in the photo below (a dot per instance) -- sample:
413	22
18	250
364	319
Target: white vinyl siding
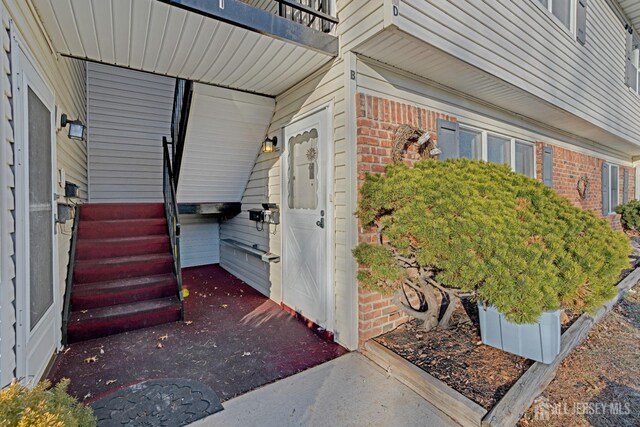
513	41
225	131
67	79
199	241
128	114
326	86
7	223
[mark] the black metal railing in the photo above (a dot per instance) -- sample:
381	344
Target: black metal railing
171	213
66	309
179	121
315	14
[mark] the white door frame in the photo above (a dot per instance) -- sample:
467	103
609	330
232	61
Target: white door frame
23	74
329	217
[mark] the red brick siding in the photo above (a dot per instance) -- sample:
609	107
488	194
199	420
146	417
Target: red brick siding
569	167
377	120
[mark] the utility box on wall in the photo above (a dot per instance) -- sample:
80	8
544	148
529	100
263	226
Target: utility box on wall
71	190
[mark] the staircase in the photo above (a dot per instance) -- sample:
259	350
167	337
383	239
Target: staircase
123	274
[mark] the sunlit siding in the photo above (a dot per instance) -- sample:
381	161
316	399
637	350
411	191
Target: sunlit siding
524	45
7	267
67	78
264	185
224	133
199	241
128	114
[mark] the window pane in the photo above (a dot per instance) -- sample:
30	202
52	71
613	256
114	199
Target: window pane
470	144
545	3
498	149
447	144
40	217
524	159
562	10
614	188
303	171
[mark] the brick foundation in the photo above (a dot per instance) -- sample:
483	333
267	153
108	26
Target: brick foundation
377	120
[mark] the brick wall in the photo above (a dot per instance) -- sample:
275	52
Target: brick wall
569	166
377	121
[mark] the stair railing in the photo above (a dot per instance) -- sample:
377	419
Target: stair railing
314	14
179	120
173	221
66	309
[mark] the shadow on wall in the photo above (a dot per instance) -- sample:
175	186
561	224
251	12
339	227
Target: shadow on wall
265	184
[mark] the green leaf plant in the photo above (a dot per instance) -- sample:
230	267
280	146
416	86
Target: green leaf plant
461	227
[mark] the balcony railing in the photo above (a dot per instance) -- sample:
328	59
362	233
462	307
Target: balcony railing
314	14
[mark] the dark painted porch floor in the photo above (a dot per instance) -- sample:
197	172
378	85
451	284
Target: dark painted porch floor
233	339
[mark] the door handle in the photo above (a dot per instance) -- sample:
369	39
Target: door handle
320	223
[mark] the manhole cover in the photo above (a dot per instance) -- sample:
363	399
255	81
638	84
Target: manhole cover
167	402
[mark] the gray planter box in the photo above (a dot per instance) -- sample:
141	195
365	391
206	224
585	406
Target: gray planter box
538	341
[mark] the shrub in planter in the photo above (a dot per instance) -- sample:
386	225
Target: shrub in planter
630	214
21	406
460	226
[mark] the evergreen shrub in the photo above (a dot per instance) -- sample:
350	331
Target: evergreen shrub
630	214
462	226
42	406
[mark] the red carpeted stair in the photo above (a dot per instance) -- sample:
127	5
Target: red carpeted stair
123	276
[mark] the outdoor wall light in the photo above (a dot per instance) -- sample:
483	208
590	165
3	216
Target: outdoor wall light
270	145
77	129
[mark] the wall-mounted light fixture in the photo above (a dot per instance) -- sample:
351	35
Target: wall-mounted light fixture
270	145
77	129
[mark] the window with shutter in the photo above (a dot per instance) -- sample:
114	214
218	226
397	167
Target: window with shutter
547	166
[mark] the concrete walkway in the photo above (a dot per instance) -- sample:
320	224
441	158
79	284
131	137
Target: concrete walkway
347	391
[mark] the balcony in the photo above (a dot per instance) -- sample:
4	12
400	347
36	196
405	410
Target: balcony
258	46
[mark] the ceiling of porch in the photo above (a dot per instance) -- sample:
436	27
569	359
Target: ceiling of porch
153	36
632	9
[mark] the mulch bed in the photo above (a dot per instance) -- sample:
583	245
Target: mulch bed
599	382
458	358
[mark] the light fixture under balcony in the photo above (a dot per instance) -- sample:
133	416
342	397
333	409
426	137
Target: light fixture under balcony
77	129
270	145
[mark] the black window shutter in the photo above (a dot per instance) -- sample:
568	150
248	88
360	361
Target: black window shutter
605	189
581	22
625	186
547	166
448	138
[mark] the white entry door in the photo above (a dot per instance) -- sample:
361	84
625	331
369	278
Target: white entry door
306	218
38	320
